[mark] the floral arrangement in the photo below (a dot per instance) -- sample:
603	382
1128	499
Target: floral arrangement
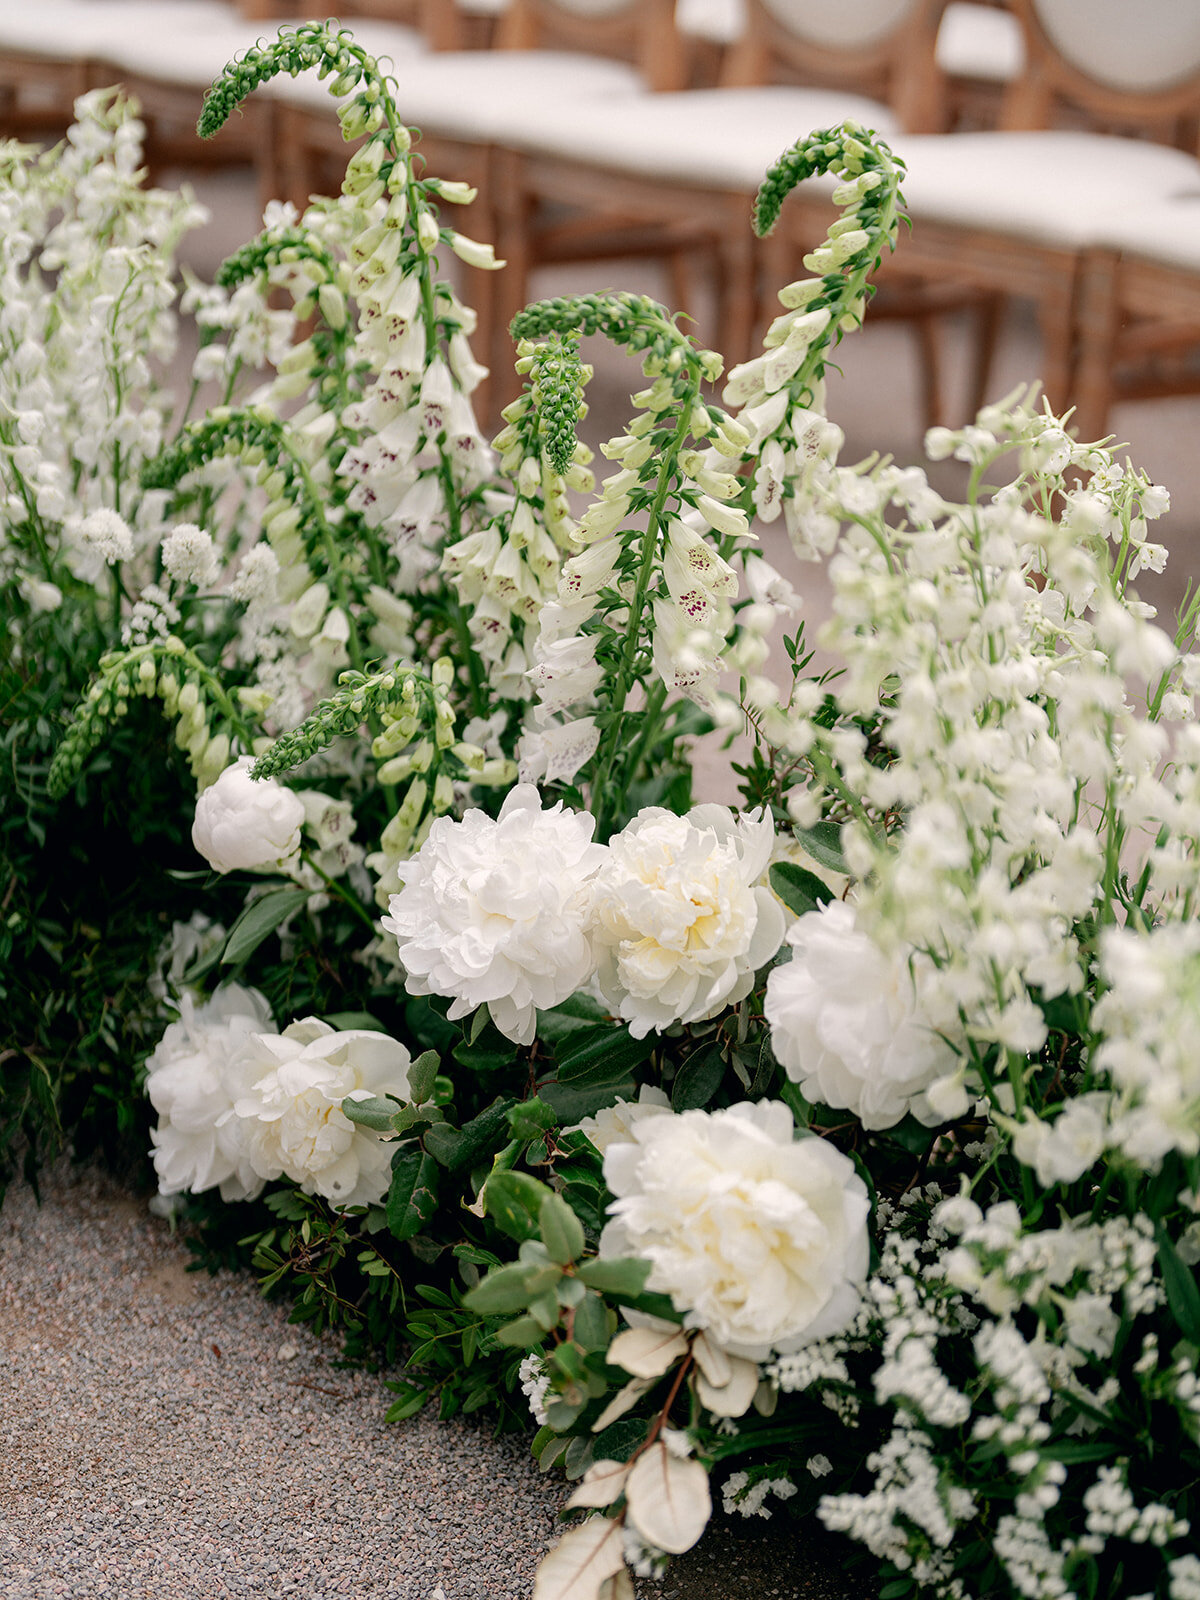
843	1150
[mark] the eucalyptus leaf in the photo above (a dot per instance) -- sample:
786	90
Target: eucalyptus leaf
562	1232
375	1113
422	1076
823	841
513	1200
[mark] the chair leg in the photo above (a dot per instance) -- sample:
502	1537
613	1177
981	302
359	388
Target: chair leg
987	318
681	282
928	331
1096	342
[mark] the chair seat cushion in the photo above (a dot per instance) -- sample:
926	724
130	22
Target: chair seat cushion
1053	188
708	139
1166	231
169	51
71	30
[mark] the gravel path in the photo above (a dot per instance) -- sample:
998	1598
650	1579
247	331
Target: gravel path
167	1436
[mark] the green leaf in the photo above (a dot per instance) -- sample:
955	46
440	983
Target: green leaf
528	1118
698	1079
413	1196
590	1327
511	1288
1183	1295
375	1113
626	1275
422	1076
598	1055
351	1021
823	841
584	1201
462	1147
412	1398
513	1200
579	1012
260	918
799	889
562	1232
620	1439
524	1334
572	1102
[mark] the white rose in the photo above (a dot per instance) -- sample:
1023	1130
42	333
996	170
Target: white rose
292	1113
195	1075
680	927
241	824
759	1238
497	913
848	1026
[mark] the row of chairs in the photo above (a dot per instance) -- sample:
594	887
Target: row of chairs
1059	163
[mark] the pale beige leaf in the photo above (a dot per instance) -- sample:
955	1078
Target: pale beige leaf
766	1398
619	1587
646	1352
712	1360
732	1399
668	1499
600	1485
621	1402
581	1562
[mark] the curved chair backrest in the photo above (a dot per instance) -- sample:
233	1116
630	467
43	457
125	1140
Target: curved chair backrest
640	31
881	48
1126	66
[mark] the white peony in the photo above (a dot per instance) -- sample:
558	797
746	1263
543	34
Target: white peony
848	1026
196	1073
680	927
759	1238
291	1108
497	913
614	1124
241	823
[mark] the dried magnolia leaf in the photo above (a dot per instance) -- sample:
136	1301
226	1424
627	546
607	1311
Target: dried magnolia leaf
601	1484
618	1587
581	1562
668	1499
734	1398
712	1360
647	1352
621	1402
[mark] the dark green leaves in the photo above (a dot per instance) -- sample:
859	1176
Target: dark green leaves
260	919
413	1197
800	890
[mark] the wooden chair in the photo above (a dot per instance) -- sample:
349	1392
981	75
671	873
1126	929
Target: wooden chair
1138	320
675	174
1013	212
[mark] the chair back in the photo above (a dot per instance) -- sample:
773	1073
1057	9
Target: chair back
1110	64
884	49
638	31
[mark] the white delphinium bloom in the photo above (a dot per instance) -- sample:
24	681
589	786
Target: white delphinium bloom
740	1495
1148	1023
681	921
256	582
848	1024
497	913
759	1238
188	555
535	1382
108	535
195	1075
241	824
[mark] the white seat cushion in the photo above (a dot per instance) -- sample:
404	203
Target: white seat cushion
980	42
70	30
709	138
189	56
1166	231
1055	188
722	21
472	95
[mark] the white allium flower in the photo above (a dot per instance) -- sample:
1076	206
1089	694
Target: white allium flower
292	1109
107	533
188	555
497	913
759	1238
680	926
194	1077
848	1024
241	823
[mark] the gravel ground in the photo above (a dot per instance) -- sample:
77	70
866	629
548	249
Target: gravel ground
164	1434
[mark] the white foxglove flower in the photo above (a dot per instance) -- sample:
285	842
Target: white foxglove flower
848	1025
241	824
497	913
759	1238
193	1078
681	924
292	1114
